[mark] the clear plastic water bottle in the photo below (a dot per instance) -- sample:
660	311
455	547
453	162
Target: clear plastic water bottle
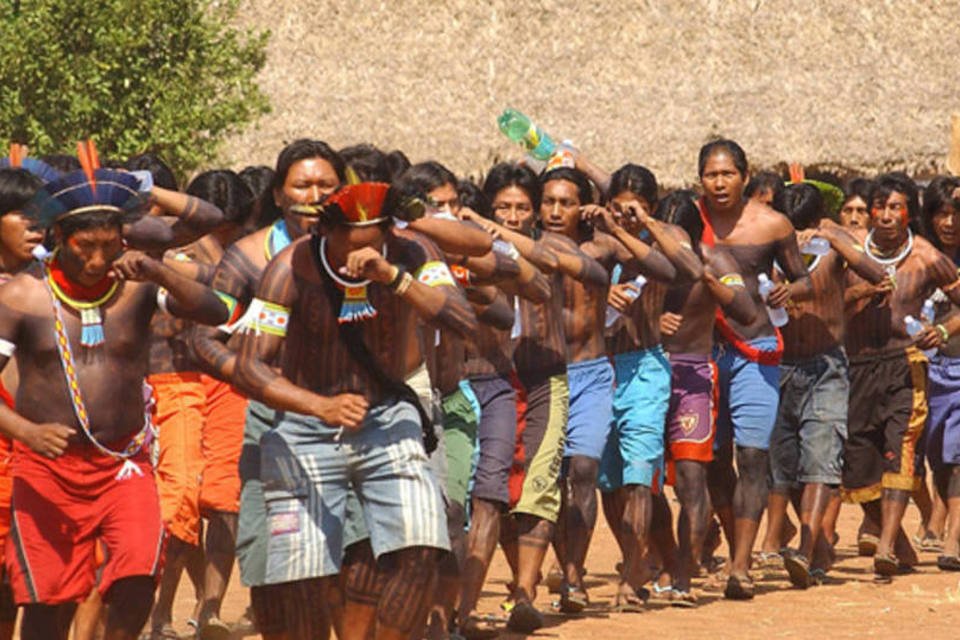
816	246
612	314
778	316
928	313
506	248
522	130
914	327
517	329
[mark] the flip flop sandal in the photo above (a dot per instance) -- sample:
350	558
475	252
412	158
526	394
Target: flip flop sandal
478	628
628	604
769	560
683	600
524	618
798	568
948	563
867	544
885	565
931	544
661	593
739	588
573	599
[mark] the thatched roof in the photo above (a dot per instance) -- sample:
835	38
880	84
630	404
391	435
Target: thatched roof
865	85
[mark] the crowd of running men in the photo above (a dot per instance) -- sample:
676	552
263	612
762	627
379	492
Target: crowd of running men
355	377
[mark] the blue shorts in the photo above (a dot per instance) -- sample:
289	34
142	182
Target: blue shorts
591	407
308	469
634	451
252	534
749	396
943	397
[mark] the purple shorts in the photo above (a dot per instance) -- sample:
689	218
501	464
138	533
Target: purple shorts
497	437
943	396
691	418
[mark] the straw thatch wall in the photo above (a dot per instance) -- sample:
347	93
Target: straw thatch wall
867	85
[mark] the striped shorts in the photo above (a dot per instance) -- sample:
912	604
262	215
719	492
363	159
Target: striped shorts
307	471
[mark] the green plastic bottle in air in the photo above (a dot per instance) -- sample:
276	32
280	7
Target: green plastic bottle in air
522	130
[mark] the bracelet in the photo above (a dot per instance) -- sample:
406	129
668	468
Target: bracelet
397	277
943	332
405	282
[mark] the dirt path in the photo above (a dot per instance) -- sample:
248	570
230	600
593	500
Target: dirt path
926	604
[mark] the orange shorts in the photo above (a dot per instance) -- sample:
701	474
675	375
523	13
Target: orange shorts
62	507
221	442
181	400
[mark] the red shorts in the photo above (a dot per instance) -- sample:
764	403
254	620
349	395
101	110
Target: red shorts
221	442
62	507
6	478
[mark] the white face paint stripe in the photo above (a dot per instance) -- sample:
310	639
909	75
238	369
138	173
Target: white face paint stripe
7	348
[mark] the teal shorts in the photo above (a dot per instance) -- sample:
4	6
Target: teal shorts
634	451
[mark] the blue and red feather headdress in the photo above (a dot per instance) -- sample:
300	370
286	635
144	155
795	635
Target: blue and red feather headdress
87	190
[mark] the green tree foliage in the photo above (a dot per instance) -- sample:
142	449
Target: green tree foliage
169	76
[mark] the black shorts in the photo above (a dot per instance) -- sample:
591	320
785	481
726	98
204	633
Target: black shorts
887	414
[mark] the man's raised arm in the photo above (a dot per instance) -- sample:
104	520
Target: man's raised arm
193	218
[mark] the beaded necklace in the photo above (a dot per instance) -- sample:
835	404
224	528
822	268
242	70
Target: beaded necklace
129	468
277	239
355	307
91	319
890	264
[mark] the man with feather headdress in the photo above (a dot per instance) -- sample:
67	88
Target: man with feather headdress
78	321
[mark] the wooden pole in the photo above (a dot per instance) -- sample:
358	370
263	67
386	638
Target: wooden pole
953	155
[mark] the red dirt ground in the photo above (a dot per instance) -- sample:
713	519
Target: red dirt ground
926	603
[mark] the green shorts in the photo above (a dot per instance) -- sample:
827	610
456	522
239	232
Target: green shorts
460	439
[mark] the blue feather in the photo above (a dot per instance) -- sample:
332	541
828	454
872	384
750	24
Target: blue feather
74	190
38	168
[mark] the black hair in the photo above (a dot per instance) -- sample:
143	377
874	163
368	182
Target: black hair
17	187
87	220
858	188
473	197
62	162
729	146
680	208
937	195
802	203
577	177
508	174
302	149
899	182
225	189
258	178
764	181
162	174
422	178
636	179
368	162
398	162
